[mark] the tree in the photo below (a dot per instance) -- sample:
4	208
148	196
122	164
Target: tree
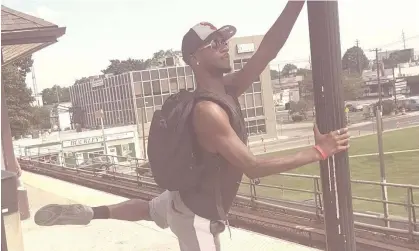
49	95
40	118
353	87
157	60
352	84
118	67
288	69
354	60
274	74
158	57
18	96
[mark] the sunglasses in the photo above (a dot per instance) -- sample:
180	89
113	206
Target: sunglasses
215	44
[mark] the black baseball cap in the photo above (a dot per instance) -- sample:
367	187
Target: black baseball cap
201	33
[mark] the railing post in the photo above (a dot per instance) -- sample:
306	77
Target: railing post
316	193
319	197
253	196
415	228
137	171
384	196
409	212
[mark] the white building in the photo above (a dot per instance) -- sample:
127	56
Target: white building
76	147
286	90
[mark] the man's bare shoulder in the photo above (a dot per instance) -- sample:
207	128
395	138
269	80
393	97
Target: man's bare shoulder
209	115
207	109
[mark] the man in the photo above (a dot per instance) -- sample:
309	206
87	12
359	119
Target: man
192	215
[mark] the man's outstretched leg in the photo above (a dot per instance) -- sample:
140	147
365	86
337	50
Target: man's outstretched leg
131	210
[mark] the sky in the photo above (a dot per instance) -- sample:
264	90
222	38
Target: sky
100	30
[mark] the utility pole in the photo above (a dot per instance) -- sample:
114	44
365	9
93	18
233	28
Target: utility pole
379	113
99	114
357	57
404	39
377	63
335	175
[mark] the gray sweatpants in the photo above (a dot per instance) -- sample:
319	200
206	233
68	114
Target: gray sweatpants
194	233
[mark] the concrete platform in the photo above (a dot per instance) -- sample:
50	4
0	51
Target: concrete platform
112	235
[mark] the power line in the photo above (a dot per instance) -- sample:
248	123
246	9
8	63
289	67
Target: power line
396	42
307	60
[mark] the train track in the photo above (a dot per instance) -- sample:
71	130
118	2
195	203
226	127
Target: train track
298	226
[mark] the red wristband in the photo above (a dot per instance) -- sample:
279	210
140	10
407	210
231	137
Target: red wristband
320	150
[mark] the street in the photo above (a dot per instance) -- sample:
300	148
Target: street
301	134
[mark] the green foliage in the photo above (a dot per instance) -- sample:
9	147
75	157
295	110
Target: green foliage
50	95
120	66
40	118
18	96
296	117
353	86
300	106
274	74
351	58
388	107
288	69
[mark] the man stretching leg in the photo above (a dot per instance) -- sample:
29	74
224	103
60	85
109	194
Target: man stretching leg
193	215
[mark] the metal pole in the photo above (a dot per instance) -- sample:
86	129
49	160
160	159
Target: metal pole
382	166
137	118
143	131
330	115
394	88
105	148
379	113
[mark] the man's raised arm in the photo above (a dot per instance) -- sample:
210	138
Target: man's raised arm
215	134
271	44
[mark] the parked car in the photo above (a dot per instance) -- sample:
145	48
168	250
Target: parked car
412	104
100	163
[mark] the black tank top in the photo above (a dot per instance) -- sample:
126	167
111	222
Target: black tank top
202	200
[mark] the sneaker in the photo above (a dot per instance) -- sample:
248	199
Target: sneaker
55	214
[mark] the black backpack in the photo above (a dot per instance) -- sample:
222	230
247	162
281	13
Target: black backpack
172	144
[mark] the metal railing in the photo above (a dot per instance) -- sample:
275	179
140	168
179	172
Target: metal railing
304	196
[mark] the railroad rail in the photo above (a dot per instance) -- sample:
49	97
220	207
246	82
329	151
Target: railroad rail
298	221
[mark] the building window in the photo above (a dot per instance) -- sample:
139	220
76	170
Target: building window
173	85
163	73
154	74
172	72
136	76
256	127
156	87
147	88
145	75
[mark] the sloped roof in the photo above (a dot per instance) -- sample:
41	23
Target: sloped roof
12	20
23	34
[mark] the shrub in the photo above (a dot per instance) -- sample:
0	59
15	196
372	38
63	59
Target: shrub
297	117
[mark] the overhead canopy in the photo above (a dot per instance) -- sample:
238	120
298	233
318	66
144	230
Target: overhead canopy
22	34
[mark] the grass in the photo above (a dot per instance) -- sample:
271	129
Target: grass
400	168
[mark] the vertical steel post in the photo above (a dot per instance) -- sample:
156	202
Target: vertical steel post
330	115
